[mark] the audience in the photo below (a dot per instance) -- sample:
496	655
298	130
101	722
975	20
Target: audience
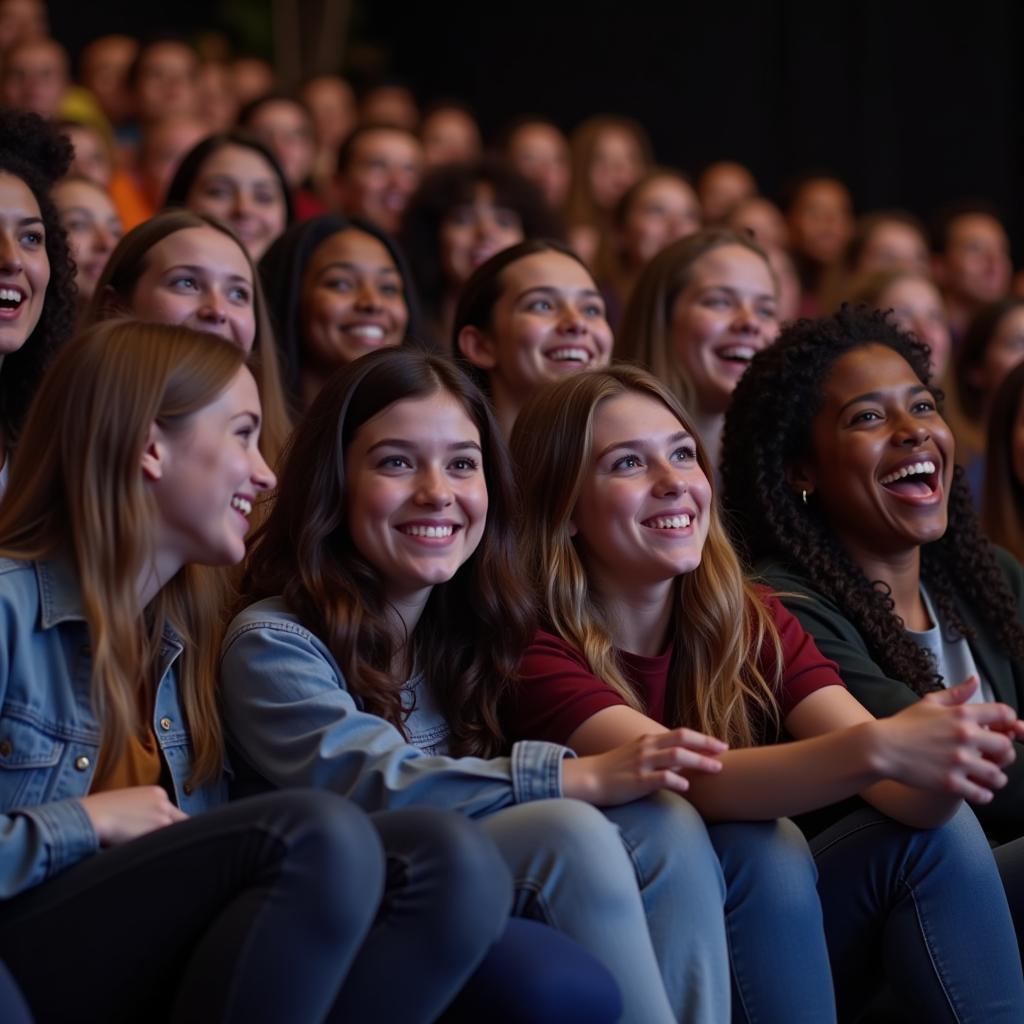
418	620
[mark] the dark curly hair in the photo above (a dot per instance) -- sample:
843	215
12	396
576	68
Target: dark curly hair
448	187
783	388
34	151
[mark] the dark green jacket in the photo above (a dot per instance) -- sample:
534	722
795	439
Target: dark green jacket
838	639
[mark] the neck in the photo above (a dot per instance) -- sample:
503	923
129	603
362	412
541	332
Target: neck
709	427
506	406
404	613
311	380
637	615
901	572
155	574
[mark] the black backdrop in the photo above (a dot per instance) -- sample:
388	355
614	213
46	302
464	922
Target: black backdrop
912	103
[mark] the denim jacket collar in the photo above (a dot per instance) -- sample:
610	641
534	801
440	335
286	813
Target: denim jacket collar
60	598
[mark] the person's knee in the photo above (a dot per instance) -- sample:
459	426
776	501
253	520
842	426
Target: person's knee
770	859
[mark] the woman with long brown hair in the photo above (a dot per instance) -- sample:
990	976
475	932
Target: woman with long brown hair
387	617
187	268
649	624
145	465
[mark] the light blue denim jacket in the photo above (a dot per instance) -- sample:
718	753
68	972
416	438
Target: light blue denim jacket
49	736
289	713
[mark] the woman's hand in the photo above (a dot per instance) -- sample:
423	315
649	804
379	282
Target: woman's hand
944	744
123	814
642	766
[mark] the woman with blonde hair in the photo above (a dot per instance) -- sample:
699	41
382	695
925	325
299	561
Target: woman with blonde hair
649	624
145	464
698	313
187	268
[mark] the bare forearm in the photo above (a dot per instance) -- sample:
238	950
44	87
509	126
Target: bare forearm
761	783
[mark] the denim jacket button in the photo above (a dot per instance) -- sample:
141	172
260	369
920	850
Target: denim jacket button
6	746
81	763
165	723
187	788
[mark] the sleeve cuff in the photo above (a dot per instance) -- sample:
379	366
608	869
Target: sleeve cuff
67	831
537	770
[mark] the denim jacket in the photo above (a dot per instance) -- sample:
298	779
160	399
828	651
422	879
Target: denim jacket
49	736
290	715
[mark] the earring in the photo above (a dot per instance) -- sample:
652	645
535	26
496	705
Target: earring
803	494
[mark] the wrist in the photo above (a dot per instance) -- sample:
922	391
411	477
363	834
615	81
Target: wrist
876	751
576	779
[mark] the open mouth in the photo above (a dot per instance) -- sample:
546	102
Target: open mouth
368	334
241	504
914	480
570	355
738	355
430	531
11	299
677	521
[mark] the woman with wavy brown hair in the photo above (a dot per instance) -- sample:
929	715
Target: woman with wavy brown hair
187	268
388	617
649	624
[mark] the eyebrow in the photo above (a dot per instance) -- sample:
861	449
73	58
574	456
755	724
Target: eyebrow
546	289
681	435
879	396
195	269
397	442
735	291
356	267
247	412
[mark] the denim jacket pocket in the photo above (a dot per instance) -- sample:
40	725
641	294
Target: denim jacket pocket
28	757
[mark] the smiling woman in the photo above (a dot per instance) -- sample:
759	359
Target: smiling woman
529	315
37	307
855	511
699	312
186	268
337	288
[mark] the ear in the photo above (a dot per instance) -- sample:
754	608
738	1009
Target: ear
154	455
801	479
572	529
477	348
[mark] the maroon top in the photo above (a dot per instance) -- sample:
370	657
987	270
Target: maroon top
557	692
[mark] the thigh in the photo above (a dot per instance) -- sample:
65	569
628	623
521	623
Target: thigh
119	928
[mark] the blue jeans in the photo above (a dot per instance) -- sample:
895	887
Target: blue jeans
923	910
664	904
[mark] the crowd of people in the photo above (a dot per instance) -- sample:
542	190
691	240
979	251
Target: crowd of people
447	578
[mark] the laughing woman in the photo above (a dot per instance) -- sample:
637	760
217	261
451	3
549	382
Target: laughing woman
650	625
698	313
144	465
854	509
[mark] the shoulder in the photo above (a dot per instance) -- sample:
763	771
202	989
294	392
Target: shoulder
548	646
1009	567
272	613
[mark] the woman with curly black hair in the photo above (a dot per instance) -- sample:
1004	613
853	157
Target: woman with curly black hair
462	215
839	474
37	290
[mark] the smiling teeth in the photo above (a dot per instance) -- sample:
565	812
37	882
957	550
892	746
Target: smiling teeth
740	353
569	355
916	469
669	522
243	505
371	331
428	531
10	295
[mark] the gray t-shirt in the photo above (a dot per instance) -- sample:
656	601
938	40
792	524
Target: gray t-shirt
953	657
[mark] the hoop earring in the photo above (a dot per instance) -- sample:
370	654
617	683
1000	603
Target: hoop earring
803	495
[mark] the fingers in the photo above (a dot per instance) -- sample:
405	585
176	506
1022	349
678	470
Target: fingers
953	695
666	780
681	759
695	741
993	745
992	715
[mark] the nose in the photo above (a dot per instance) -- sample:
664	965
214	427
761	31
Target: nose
571	321
211	309
367	296
432	490
745	320
260	474
242	206
910	432
668	482
10	254
103	239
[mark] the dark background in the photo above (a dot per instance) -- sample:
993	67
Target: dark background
912	104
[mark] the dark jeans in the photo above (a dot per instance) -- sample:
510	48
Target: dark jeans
262	911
